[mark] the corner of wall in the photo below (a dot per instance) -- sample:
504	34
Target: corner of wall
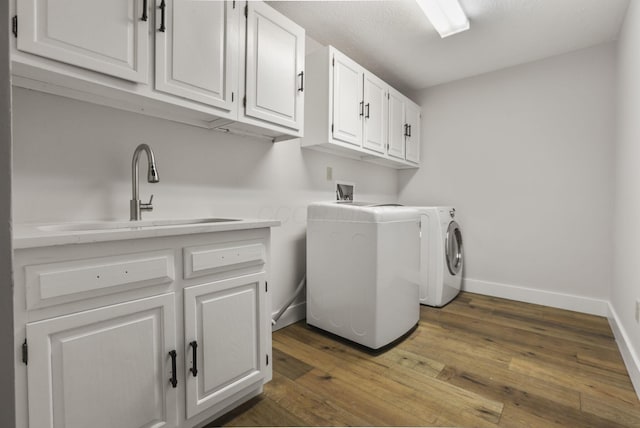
293	314
631	360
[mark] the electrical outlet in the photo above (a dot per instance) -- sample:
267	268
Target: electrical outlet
329	173
637	311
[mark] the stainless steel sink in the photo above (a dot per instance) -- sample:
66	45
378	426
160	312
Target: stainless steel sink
110	225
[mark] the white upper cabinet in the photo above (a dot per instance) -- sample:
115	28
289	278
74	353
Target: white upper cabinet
376	106
197	51
348	106
110	37
239	66
274	68
412	132
396	124
359	105
352	113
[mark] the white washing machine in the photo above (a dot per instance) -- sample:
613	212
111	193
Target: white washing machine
441	255
363	269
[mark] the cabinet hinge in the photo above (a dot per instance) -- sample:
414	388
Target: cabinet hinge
25	352
244	101
267	359
14	25
246	10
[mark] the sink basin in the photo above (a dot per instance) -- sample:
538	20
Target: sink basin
110	225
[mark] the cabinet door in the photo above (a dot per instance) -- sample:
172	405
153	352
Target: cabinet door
412	115
104	368
348	105
196	54
110	37
375	113
225	320
396	124
274	67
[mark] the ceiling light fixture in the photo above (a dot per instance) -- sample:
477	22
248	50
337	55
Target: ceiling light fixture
446	16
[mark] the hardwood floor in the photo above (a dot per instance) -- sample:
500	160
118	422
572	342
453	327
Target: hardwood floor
478	362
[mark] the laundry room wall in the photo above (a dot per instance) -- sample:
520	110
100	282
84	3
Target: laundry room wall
625	292
7	351
526	156
72	161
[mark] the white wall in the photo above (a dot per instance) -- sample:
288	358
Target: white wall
7	351
626	261
525	154
72	161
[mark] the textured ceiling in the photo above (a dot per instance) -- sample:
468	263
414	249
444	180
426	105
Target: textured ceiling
394	40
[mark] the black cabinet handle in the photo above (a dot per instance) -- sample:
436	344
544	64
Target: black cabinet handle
409	131
174	378
194	349
367	114
301	88
144	17
163	27
361	108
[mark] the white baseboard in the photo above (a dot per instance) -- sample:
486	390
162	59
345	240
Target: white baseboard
570	302
293	314
631	360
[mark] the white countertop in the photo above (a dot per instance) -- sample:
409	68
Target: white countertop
31	235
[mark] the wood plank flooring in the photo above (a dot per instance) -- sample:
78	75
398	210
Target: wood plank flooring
478	362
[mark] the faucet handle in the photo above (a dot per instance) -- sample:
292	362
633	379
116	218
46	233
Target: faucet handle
148	206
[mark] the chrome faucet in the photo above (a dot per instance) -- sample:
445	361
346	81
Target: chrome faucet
135	205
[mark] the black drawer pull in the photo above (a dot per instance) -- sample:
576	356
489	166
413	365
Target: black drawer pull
144	17
194	350
301	88
163	27
174	378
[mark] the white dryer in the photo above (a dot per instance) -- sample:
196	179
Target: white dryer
441	255
362	271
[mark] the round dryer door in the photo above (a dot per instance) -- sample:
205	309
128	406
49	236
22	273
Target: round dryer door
453	248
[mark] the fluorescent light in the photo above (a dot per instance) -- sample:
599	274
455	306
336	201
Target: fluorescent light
446	16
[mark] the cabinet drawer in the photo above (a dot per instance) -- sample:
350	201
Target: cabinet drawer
210	259
63	282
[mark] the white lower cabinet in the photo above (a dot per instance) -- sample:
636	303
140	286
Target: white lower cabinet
133	345
226	344
102	368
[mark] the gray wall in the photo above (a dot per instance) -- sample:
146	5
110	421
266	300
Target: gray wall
7	351
626	265
526	156
73	161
